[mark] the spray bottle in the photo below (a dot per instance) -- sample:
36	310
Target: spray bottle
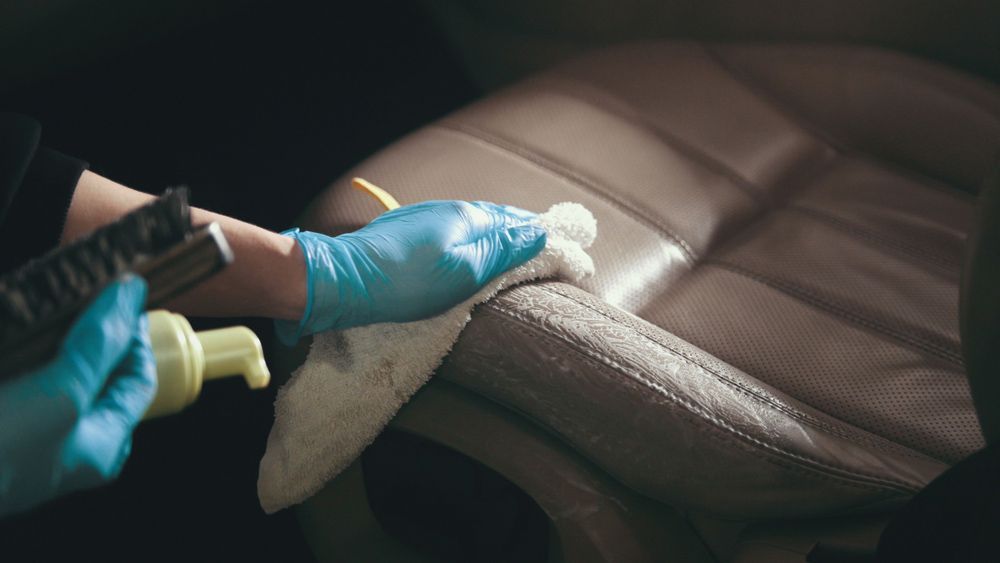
185	359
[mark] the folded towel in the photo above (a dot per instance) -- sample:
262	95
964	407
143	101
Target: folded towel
353	381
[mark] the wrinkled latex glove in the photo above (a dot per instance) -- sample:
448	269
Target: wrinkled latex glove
68	425
410	263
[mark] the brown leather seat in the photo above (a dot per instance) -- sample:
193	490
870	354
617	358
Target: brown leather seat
773	328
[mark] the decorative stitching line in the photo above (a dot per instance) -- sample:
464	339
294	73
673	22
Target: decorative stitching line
813	464
769	98
799	175
805	295
906	68
802	417
781	106
672	140
769	401
862	233
598	360
573	178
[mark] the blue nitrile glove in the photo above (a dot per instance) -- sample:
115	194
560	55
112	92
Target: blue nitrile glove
410	263
68	425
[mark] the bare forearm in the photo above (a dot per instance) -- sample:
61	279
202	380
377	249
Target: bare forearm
268	277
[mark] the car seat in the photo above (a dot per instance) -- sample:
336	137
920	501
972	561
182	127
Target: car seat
768	356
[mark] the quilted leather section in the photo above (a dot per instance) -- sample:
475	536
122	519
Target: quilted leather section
794	263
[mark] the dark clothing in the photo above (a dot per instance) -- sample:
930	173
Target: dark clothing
36	186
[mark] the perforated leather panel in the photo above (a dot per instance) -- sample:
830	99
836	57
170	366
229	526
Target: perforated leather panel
750	210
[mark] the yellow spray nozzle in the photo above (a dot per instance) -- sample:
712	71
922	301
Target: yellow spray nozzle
235	351
185	358
380	195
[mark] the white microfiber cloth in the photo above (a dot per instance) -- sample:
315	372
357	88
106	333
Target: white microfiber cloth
354	381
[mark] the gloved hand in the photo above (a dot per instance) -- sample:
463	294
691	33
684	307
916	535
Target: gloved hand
410	263
68	425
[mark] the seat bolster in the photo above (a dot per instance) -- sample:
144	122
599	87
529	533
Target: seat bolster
668	419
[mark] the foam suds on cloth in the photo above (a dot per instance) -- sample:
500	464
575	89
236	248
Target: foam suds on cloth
354	381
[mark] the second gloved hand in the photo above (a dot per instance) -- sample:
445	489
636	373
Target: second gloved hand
68	425
409	263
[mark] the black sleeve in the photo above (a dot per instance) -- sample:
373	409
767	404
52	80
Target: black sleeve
36	186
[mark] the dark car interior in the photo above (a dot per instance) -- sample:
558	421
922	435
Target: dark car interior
787	352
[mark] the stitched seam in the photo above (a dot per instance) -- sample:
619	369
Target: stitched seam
802	417
791	466
795	181
927	182
781	106
909	71
695	413
768	98
573	178
597	359
672	140
807	296
777	405
896	245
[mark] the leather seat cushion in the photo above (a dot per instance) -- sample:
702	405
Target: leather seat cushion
796	215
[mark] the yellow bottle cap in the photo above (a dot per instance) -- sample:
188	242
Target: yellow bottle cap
185	358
